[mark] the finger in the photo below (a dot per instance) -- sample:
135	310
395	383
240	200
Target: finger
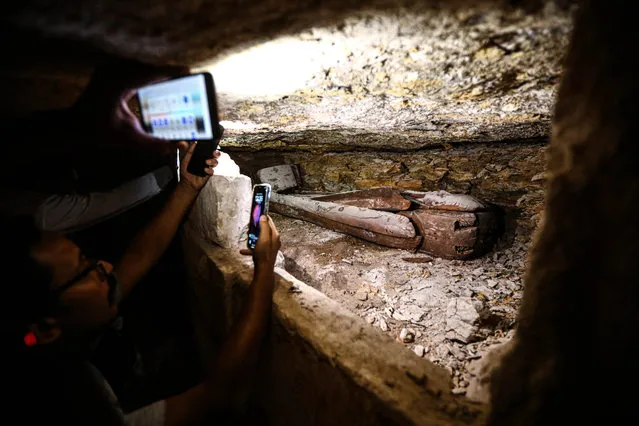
216	154
246	252
265	228
270	221
211	162
209	171
275	235
182	148
189	153
271	225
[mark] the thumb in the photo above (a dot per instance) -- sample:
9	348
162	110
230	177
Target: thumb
246	252
265	228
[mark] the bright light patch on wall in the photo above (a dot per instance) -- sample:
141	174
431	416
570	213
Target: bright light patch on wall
270	70
238	125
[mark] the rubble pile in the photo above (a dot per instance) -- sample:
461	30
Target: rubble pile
453	312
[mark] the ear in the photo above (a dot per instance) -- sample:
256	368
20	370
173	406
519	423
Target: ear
46	331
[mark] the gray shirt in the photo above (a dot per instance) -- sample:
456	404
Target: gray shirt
73	212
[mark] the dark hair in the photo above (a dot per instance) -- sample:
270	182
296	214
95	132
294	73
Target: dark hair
24	298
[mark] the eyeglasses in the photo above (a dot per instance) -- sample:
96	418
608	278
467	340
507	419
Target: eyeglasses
94	265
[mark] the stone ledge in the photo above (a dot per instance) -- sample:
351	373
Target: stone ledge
345	140
319	356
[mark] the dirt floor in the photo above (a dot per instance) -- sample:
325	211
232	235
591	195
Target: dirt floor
452	312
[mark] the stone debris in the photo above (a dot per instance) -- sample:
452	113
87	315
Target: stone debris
442	301
399	317
462	319
406	335
383	325
361	295
442	351
419	350
458	353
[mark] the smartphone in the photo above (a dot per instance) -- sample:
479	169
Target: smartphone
183	109
259	207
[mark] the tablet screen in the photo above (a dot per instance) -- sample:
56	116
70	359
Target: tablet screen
177	109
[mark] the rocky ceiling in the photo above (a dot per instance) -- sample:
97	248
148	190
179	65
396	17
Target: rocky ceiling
329	75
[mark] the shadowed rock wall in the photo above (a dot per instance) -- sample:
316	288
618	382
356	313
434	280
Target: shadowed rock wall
575	351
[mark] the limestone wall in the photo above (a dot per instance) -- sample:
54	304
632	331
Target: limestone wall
320	364
510	175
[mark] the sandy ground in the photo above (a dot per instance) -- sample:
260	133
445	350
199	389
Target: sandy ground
452	312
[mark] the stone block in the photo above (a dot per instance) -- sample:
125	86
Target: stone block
462	319
222	210
281	178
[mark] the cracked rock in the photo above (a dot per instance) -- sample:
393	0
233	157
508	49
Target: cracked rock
221	212
462	319
383	325
361	295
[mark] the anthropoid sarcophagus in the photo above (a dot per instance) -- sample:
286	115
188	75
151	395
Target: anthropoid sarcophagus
452	226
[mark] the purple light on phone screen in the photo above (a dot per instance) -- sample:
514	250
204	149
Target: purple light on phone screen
257	212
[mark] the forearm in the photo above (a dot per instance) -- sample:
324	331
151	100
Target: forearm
228	371
152	241
241	348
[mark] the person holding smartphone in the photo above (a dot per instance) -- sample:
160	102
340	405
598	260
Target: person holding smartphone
92	172
61	302
73	168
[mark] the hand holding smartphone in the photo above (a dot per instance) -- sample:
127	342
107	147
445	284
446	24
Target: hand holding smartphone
183	108
259	208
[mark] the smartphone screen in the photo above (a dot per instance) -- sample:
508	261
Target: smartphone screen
177	109
259	207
